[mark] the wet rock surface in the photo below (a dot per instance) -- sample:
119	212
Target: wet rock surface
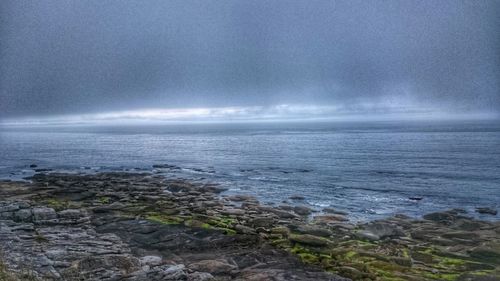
119	226
488	211
131	226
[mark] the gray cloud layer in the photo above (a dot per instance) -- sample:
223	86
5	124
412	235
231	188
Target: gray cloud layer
60	57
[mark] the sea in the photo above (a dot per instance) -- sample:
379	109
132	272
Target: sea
371	170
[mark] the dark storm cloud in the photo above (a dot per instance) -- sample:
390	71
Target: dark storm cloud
61	57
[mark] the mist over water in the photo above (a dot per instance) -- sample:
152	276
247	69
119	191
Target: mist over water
272	98
369	169
77	57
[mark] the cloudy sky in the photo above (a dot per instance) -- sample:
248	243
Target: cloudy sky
61	58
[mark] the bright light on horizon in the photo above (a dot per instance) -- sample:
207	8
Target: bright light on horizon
283	112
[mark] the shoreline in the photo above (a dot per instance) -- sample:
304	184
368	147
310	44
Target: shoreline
129	211
203	176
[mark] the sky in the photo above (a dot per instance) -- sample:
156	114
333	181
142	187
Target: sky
248	59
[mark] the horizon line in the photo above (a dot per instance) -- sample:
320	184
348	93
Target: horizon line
250	114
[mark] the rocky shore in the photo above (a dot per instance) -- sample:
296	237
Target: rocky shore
131	226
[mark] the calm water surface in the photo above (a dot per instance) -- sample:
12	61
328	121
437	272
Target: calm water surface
367	169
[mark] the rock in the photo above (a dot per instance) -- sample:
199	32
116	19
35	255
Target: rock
175	272
178	186
469	225
415	198
439	217
209	204
488	211
7	215
128	227
333	211
8	207
473	266
367	235
121	263
460	234
241	198
262	222
447	217
297	197
420	234
212	188
488	252
441	241
232	211
150	260
170	211
280	213
159	273
478	277
308	239
422	257
244	229
164	166
458	211
42	170
72	214
402	217
329	219
262	275
24	215
201	276
194	223
302	210
33	165
402	261
213	266
351	272
282	230
381	230
286	207
41	214
312	230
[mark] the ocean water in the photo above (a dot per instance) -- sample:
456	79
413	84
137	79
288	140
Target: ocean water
369	170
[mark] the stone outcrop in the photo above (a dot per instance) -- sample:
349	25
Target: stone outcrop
131	226
137	227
